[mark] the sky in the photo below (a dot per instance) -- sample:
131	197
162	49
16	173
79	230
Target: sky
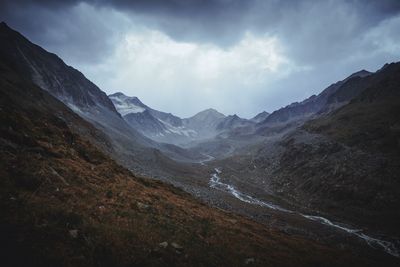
237	56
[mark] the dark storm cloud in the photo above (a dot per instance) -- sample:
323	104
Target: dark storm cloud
314	29
223	21
74	30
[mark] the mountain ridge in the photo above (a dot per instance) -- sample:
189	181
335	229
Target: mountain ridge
166	127
311	105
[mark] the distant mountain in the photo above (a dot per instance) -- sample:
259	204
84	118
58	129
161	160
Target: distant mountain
126	105
303	110
157	125
137	114
205	123
146	123
207	116
231	122
225	133
260	117
166	127
351	88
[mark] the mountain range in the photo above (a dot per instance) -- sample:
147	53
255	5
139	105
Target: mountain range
166	127
90	179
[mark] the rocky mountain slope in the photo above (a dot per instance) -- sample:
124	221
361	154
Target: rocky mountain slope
50	73
305	109
157	125
365	164
260	117
205	122
231	122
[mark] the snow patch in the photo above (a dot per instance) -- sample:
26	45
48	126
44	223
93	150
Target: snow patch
124	108
180	130
74	108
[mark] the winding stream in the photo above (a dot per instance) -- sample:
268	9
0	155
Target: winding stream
208	158
215	182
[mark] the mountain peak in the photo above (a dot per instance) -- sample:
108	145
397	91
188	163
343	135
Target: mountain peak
127	104
4	27
210	112
46	70
260	116
361	73
123	97
389	65
117	94
9	32
234	116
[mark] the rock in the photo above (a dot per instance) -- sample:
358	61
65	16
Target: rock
163	244
249	261
74	233
142	205
56	174
176	246
232	221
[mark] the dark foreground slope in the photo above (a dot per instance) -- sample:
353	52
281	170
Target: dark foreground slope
65	203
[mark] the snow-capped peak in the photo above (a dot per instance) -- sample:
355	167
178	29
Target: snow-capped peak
126	105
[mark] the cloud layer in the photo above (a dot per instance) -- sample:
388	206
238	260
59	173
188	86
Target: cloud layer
237	56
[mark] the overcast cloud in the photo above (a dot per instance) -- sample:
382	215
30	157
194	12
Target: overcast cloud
236	56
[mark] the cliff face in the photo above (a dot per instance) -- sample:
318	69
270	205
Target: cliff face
49	72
